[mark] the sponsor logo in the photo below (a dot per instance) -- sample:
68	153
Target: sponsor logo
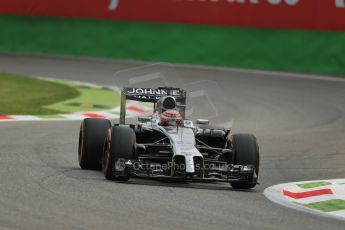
149	91
113	5
272	2
150	94
338	3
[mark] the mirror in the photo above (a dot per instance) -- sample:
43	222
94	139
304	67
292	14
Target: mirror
188	124
202	122
144	119
140	149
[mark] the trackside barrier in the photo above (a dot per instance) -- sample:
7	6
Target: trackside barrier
291	14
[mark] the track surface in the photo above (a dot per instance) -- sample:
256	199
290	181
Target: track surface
300	124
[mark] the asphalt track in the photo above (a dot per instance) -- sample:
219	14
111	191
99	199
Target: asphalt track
299	121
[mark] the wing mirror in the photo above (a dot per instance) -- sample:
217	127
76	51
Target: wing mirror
202	122
144	119
188	124
140	149
228	154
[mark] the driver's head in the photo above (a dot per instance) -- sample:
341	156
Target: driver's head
170	117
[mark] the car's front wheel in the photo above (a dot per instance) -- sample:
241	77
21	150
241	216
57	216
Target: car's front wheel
246	152
118	148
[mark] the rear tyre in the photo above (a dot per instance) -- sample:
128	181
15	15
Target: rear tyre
91	139
246	152
119	146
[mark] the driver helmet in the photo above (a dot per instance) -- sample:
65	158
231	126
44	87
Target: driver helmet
170	117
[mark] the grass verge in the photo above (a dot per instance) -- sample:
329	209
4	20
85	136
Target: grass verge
285	50
327	206
313	184
22	95
29	96
89	99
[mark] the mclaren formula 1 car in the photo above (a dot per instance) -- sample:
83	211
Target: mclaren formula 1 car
166	145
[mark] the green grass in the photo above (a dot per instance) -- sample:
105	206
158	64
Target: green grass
287	50
29	96
89	99
326	206
313	184
22	95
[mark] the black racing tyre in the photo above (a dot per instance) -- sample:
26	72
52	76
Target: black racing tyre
246	152
91	139
120	144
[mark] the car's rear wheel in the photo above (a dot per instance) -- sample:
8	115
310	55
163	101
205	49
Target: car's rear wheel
246	152
118	148
91	139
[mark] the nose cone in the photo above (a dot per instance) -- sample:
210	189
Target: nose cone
189	164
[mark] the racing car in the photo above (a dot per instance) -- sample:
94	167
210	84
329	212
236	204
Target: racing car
165	145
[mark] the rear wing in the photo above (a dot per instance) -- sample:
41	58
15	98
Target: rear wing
151	95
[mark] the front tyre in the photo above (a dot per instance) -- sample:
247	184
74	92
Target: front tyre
91	139
118	148
246	152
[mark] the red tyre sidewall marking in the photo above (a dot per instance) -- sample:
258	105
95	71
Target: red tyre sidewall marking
107	160
82	143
